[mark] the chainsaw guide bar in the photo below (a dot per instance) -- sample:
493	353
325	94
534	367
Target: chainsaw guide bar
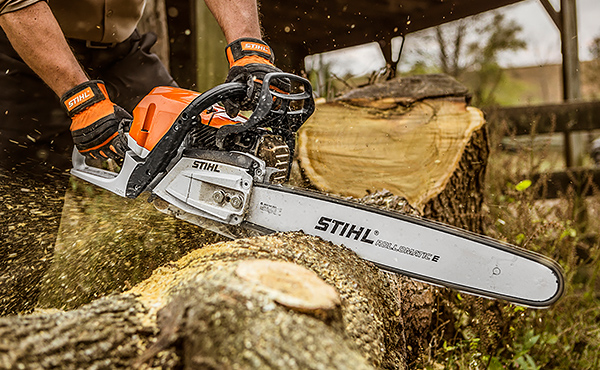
226	175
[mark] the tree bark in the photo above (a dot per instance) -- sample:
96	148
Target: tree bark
279	301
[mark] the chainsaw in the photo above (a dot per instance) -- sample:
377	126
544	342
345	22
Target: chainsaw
229	175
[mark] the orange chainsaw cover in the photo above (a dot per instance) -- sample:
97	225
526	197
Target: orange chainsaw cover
157	112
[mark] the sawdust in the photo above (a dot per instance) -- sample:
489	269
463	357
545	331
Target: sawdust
107	244
30	211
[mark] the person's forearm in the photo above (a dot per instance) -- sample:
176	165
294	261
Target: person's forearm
37	37
237	18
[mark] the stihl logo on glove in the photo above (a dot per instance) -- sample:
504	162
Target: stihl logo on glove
253	46
96	121
80	98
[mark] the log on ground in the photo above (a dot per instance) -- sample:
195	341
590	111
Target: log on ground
279	301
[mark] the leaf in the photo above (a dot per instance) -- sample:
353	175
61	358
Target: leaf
448	348
568	232
553	339
525	361
523	185
495	364
532	341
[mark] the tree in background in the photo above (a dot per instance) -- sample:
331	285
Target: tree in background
469	50
499	35
451	42
592	74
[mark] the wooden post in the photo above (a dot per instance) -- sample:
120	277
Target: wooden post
570	51
576	142
566	22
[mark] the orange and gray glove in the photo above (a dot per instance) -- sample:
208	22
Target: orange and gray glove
96	122
249	60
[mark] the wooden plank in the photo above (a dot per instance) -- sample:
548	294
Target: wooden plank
551	118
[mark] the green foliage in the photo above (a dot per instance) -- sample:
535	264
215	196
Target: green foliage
499	35
473	333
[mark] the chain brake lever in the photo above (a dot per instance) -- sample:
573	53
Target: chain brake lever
264	107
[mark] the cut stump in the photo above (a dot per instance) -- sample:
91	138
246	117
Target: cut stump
416	137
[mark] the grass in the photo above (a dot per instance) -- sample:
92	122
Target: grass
472	333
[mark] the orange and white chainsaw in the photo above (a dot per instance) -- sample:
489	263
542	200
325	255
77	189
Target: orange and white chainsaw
228	175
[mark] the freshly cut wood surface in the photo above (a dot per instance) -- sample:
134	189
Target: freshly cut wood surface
411	150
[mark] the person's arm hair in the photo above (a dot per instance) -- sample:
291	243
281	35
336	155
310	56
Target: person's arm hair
237	18
35	34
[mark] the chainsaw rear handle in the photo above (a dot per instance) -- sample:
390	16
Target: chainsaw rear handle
141	167
264	107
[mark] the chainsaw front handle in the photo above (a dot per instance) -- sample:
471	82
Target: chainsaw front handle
264	109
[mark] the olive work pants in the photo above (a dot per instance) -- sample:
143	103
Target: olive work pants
35	152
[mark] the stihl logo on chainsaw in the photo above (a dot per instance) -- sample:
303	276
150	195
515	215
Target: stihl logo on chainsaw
345	229
206	166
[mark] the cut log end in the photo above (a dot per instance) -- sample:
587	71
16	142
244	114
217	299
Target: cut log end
290	285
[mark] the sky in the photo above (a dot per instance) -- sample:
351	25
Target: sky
539	31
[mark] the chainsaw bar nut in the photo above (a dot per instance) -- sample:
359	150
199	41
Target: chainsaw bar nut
219	196
237	202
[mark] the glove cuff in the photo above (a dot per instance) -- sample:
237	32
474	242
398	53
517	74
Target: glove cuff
83	96
250	49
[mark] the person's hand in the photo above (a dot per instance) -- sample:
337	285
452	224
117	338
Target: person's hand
96	123
249	60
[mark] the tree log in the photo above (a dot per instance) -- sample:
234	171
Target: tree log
241	304
416	137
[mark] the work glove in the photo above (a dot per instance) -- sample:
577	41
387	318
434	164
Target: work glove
249	60
96	123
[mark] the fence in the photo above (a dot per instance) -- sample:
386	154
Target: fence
564	118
